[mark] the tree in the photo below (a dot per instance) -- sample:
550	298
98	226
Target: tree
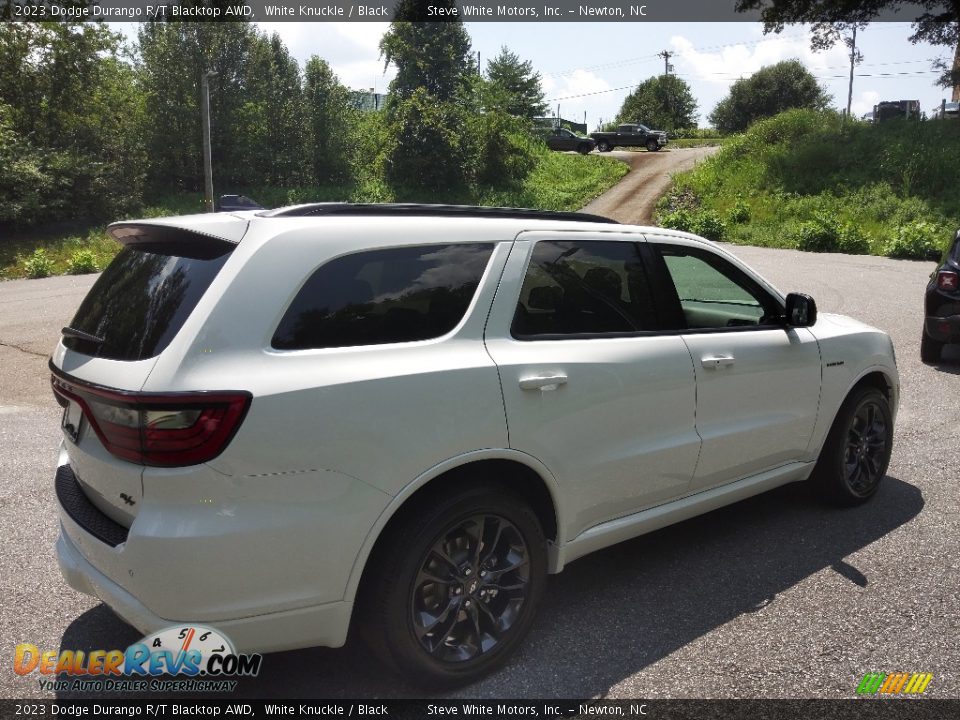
434	55
766	93
70	113
328	114
273	121
430	143
664	101
516	84
173	135
938	25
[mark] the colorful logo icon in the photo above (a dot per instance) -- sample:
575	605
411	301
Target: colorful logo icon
894	683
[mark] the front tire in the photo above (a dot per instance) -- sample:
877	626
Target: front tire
603	146
855	456
583	148
456	587
653	145
930	349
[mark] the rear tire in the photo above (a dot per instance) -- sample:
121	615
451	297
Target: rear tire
855	457
930	349
603	146
456	586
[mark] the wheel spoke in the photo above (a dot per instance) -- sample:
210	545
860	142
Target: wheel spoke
492	547
442	622
494	575
440	552
473	529
492	619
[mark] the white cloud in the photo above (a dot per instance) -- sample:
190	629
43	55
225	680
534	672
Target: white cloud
725	64
352	49
864	103
579	92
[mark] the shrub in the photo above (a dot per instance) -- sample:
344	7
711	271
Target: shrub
822	234
82	262
710	225
506	152
38	265
918	240
681	219
739	212
852	240
429	148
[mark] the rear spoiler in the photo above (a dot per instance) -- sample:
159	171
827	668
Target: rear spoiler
214	231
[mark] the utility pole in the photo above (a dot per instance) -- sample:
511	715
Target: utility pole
666	55
207	158
853	61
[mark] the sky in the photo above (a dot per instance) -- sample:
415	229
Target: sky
587	69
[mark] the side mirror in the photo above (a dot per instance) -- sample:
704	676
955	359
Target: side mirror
801	310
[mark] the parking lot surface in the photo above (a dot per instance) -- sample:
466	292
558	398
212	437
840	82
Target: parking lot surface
776	596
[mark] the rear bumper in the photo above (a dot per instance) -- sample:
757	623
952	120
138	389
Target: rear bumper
268	564
322	625
943	329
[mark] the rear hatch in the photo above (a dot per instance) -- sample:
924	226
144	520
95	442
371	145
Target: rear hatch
131	315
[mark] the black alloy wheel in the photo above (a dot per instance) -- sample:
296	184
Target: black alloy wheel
866	453
856	454
471	588
454	584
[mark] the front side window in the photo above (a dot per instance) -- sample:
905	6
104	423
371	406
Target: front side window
384	296
583	288
713	293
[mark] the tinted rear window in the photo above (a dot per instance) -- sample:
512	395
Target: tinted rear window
384	296
142	300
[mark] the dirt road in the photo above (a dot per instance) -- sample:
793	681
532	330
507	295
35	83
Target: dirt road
632	200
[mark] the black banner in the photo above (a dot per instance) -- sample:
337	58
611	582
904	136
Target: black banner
380	11
859	709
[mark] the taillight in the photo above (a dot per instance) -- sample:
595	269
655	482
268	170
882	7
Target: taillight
947	280
163	430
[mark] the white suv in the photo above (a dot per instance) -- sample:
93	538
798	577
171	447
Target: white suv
406	416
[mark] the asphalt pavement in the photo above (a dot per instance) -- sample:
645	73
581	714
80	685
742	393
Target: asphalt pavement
773	597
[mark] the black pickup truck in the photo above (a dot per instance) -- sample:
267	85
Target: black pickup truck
631	135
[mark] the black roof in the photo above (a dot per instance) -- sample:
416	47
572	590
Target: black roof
340	208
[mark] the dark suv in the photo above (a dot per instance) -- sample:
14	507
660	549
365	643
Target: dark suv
941	324
564	139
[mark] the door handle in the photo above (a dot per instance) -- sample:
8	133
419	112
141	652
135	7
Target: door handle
543	382
716	361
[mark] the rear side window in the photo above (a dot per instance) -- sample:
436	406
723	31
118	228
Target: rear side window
384	296
584	288
142	299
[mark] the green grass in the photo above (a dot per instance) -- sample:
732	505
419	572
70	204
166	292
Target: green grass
557	182
806	179
697	142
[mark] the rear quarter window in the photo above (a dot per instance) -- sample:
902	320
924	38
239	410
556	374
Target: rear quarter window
384	296
141	301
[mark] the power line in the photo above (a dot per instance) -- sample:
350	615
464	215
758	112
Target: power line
648	58
915	73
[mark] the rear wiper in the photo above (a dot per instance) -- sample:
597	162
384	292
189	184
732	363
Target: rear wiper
81	335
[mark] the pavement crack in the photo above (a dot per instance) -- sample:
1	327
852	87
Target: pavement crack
28	351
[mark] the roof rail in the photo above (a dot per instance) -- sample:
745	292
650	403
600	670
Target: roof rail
341	208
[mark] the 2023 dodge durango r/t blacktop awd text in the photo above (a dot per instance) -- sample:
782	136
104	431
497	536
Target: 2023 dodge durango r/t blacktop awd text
280	422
